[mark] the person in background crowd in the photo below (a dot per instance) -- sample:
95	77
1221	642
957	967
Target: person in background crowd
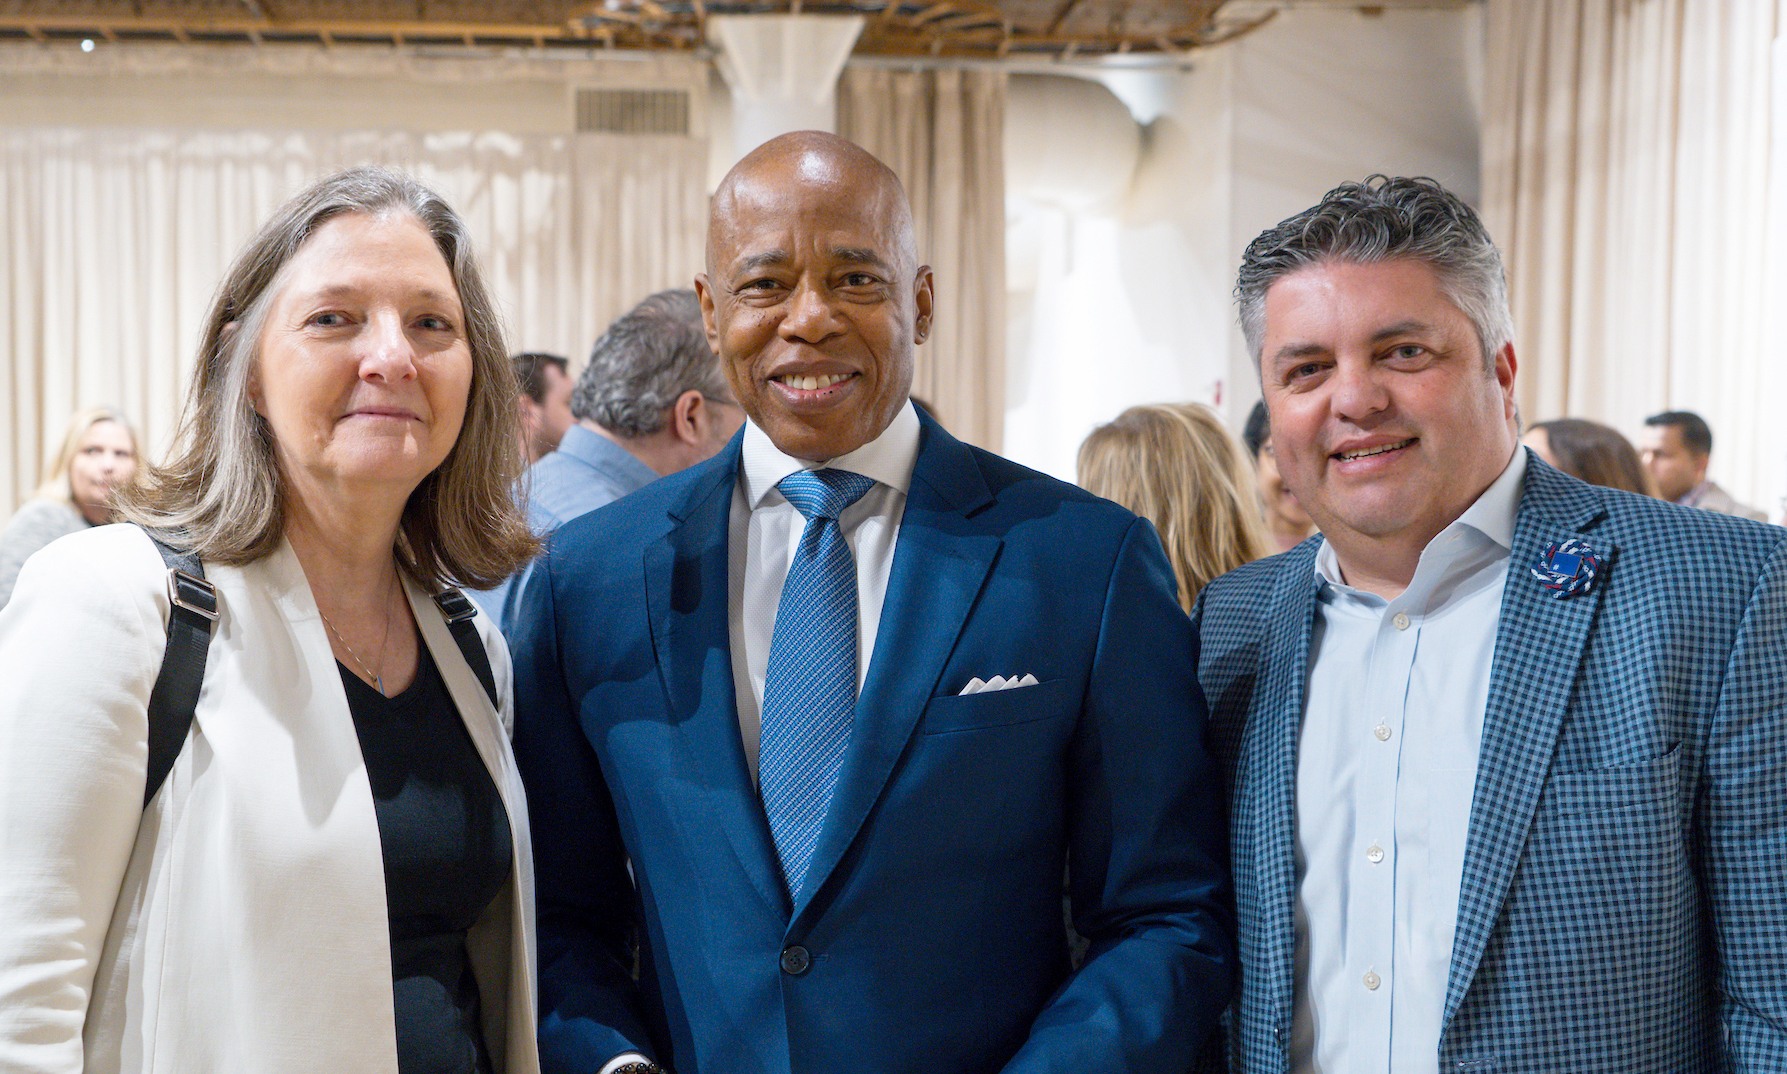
335	873
1176	466
833	708
1590	451
98	456
1676	448
650	402
1504	748
1286	521
545	401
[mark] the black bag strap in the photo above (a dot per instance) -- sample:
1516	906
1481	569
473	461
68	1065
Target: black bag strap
191	612
459	612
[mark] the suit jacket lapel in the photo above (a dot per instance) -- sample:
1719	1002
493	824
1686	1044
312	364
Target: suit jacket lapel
1266	776
1539	644
688	595
940	561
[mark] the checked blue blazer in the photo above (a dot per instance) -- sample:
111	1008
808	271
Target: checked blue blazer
928	933
1624	906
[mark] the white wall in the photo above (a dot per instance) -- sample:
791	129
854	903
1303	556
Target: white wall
1129	302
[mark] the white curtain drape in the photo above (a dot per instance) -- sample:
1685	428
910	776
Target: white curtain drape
114	240
1627	176
942	132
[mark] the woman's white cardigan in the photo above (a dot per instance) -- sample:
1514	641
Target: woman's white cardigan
238	924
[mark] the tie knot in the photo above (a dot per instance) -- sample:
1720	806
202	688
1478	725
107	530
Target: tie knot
824	493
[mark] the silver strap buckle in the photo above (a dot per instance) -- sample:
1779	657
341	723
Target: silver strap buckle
193	594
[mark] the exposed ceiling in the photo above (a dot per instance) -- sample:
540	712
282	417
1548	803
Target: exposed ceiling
956	28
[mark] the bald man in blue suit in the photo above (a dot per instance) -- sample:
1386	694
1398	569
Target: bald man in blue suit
1020	700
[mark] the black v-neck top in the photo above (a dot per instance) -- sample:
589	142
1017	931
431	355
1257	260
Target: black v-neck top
444	836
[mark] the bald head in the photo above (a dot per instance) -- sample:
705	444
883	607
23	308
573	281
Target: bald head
813	295
821	163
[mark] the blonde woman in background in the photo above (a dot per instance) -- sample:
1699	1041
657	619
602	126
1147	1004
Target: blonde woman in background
98	456
1176	466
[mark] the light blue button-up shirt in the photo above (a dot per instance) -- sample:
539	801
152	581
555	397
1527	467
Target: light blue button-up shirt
586	472
1386	768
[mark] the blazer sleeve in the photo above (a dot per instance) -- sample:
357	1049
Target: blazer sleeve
1148	845
1742	822
80	646
584	894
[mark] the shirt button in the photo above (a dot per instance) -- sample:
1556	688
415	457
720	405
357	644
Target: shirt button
795	960
1372	980
1382	732
1401	621
1374	855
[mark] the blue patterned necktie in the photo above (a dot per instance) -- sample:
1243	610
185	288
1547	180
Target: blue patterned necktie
809	691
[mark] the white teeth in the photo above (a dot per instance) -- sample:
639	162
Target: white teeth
1379	450
808	384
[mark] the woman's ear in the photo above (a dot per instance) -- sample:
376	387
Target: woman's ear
226	336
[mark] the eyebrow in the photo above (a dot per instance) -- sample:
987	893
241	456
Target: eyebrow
861	255
1400	328
348	290
766	259
1291	352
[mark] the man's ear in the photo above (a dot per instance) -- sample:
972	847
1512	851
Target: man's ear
924	297
689	418
709	324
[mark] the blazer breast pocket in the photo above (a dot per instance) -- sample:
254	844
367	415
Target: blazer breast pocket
1613	790
999	708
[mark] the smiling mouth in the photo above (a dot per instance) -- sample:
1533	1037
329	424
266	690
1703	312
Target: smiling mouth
1366	453
812	383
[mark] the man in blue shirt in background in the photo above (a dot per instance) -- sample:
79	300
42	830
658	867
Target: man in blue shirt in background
651	401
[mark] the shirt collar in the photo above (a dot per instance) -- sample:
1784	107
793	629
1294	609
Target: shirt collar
1491	515
888	458
596	450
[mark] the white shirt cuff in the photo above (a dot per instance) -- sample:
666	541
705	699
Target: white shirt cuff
620	1061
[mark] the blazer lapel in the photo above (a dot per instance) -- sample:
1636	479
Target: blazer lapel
1538	651
1266	776
940	561
687	596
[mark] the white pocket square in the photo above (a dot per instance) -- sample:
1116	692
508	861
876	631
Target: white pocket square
997	682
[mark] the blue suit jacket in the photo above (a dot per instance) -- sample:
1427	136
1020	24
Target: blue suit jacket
931	921
1624	905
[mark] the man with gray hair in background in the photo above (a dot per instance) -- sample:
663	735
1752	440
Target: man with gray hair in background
1504	749
651	401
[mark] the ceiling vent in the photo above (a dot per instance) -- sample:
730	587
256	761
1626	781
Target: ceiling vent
629	111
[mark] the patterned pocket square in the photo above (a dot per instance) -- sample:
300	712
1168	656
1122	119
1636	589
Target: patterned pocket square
997	682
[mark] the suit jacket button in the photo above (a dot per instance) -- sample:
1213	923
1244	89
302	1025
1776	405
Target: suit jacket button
795	960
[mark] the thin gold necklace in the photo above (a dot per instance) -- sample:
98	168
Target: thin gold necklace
378	680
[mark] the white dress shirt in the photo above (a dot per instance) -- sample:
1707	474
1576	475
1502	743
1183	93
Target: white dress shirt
1386	768
765	532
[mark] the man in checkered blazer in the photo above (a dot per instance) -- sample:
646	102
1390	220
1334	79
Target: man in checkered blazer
1506	751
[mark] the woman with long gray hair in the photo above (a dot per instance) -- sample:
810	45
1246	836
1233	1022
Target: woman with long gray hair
333	872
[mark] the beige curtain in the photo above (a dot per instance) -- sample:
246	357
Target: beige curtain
941	130
113	242
1627	177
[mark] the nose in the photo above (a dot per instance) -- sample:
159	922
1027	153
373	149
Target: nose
810	316
1359	392
389	354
